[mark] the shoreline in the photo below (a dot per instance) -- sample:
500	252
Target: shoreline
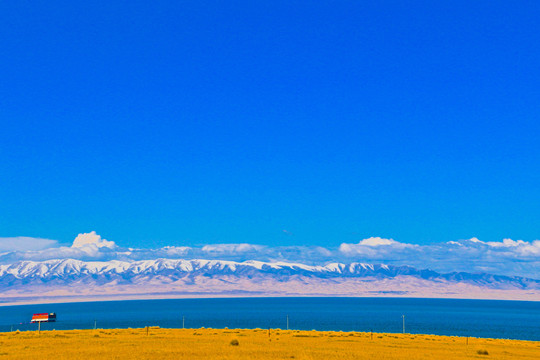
139	297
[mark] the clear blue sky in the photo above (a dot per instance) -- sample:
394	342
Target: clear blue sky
192	122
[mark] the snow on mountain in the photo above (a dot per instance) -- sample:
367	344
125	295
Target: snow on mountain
64	279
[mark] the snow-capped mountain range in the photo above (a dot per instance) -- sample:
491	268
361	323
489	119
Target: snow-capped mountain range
68	279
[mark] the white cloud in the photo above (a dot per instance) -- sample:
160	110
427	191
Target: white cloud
91	238
376	248
24	243
377	241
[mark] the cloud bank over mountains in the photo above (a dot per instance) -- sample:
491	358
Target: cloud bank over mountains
24	243
507	257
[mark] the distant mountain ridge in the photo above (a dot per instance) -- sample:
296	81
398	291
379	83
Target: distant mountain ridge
67	270
70	277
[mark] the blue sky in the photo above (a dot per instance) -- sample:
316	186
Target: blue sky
191	123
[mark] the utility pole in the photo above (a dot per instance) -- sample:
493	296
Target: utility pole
287	321
403	316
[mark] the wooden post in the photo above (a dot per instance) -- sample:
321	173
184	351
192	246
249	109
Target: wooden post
467	340
147	331
39	327
371	334
183	322
403	316
287	322
95	324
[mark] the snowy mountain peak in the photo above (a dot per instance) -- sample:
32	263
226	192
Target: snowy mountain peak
219	277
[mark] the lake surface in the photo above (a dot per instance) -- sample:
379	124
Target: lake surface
477	318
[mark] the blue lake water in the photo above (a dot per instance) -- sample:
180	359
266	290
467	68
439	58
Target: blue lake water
477	318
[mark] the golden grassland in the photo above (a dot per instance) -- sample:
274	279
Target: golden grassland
157	343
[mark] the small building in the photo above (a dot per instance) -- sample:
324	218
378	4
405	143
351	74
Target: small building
43	317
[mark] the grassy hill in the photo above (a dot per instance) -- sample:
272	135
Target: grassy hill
157	343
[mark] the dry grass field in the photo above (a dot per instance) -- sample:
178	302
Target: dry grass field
253	344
